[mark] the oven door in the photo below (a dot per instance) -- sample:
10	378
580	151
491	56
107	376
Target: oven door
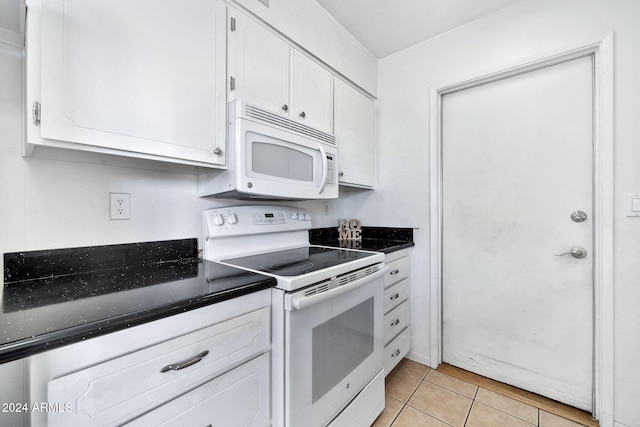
278	163
334	347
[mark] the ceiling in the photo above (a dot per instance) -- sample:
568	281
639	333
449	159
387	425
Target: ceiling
388	26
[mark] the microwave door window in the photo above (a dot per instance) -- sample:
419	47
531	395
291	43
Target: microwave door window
281	162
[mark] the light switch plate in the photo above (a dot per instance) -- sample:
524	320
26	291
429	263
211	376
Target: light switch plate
632	204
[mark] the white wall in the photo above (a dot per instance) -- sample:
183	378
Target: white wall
524	30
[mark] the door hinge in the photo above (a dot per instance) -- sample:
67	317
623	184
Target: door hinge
232	83
232	25
37	111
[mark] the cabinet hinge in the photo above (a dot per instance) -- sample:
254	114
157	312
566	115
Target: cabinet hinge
232	83
36	113
232	25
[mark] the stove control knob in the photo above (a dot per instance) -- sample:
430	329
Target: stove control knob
294	215
218	219
232	218
307	217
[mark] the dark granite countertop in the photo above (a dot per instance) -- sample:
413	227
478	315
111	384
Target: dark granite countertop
379	239
54	298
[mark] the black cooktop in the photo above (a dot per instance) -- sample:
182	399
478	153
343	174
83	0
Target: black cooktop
295	262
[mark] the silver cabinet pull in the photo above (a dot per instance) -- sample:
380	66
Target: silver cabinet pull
217	151
395	322
285	107
185	363
396	296
303	115
396	353
576	252
394	272
578	216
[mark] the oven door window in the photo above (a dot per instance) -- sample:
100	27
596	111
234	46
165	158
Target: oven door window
340	345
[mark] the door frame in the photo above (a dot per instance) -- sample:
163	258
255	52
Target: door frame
601	47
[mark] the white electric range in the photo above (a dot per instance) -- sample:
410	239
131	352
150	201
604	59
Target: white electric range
327	314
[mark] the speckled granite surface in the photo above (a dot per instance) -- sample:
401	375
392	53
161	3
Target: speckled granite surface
53	298
379	239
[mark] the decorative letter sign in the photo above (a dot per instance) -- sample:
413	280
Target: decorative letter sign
350	233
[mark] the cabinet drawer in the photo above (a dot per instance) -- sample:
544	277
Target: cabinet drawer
396	320
395	295
238	398
123	388
396	350
398	270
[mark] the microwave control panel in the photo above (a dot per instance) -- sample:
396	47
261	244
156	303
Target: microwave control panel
331	170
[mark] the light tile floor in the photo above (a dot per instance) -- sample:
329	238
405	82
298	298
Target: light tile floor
419	396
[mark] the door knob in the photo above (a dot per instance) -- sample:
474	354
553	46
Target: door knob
576	252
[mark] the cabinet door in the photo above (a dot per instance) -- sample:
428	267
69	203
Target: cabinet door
238	398
259	64
135	77
355	133
312	93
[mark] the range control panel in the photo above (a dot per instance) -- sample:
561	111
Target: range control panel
247	220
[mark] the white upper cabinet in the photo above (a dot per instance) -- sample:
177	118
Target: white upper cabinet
266	71
355	133
259	64
306	23
312	93
139	79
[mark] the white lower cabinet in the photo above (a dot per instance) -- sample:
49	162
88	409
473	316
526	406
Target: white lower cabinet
397	318
238	398
214	369
396	350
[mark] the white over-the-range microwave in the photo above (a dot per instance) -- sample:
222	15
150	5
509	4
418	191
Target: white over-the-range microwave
273	157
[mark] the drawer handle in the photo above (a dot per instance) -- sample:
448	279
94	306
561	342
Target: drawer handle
396	296
185	363
394	272
396	353
395	322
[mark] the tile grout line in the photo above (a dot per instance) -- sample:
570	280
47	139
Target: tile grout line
473	401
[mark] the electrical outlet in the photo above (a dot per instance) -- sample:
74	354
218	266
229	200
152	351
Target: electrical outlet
120	207
325	208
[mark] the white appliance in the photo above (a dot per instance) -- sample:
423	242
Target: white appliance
273	157
327	314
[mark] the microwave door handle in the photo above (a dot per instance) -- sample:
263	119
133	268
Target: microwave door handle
325	168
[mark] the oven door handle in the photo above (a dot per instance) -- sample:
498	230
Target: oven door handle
299	301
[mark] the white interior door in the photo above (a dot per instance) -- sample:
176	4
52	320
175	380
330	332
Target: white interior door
517	161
